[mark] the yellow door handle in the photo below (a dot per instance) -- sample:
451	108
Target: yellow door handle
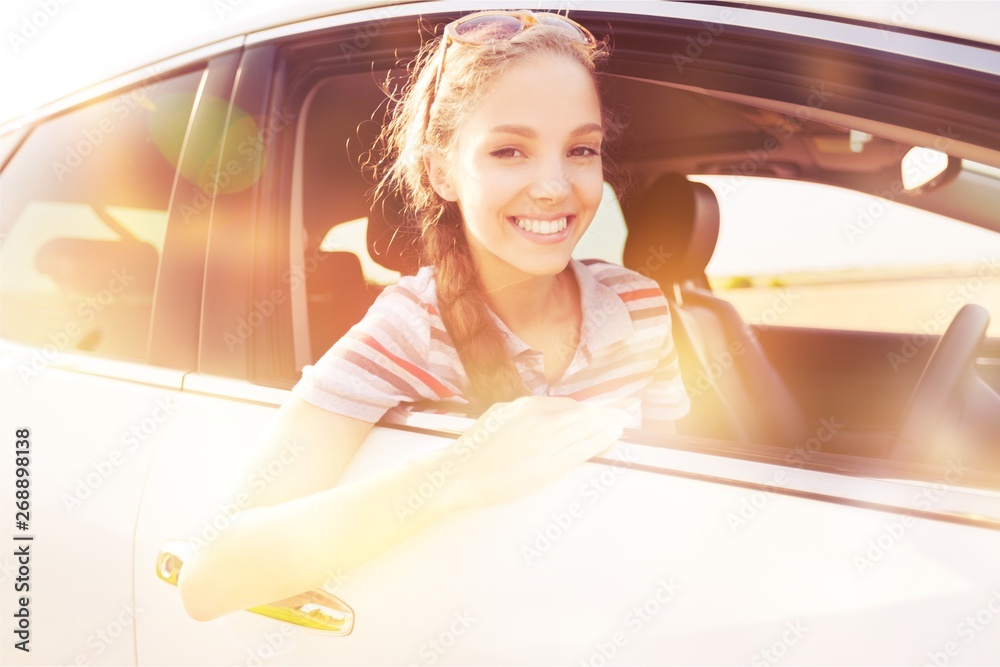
316	609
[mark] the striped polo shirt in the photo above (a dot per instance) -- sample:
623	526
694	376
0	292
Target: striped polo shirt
400	352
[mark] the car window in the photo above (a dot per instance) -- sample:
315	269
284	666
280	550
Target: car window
84	215
792	253
605	238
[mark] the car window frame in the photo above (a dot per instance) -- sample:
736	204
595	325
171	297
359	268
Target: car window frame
175	302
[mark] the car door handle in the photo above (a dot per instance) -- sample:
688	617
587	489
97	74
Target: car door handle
317	609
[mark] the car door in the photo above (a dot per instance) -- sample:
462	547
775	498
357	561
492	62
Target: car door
664	552
91	228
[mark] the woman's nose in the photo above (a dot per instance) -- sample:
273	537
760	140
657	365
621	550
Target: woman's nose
551	184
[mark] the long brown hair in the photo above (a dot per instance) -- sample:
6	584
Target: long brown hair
416	126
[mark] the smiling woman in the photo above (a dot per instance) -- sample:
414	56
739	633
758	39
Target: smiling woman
497	152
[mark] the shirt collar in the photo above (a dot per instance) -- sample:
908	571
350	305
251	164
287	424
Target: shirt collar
606	318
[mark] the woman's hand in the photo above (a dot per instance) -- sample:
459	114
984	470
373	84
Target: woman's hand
516	447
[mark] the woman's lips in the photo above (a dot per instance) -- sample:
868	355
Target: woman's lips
537	223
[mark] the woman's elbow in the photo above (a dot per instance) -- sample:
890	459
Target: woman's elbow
197	598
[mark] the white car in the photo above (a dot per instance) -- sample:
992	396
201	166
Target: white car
180	241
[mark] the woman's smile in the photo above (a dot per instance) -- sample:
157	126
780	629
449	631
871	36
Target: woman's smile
545	230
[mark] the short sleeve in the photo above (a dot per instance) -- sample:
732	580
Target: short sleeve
665	398
381	362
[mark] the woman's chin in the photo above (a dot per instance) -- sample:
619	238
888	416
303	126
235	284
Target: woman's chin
550	265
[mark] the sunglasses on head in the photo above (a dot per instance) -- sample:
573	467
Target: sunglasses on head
487	27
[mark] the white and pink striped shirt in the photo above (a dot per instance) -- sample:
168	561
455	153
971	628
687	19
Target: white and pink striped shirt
400	352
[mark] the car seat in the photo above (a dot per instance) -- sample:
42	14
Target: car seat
735	392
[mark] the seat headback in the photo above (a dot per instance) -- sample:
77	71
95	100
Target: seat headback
673	226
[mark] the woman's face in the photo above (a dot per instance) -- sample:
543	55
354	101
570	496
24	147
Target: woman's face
526	170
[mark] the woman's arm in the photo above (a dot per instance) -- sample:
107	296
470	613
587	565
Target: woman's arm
302	528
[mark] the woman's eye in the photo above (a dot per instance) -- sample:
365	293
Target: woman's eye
507	153
584	151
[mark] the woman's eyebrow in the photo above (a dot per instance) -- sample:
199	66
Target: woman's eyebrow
587	128
525	131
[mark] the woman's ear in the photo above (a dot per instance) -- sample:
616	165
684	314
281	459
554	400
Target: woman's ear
437	174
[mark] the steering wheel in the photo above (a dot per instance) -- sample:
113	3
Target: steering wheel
951	366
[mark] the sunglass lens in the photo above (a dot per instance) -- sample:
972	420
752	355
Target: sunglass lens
568	27
488	28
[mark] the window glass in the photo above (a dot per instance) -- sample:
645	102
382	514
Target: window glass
792	253
605	238
352	237
84	216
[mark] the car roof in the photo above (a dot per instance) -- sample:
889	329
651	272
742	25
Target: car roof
301	15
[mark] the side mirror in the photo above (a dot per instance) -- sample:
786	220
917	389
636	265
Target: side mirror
316	609
925	169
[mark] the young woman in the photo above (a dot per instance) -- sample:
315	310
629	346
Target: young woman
496	146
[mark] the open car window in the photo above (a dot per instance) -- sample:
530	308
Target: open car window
792	253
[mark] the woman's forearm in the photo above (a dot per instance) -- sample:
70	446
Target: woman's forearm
270	553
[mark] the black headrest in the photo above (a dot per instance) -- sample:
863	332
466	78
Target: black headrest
392	241
673	226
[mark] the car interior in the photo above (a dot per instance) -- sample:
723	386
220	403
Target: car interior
786	379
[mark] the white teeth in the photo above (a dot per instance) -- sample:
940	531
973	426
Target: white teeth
542	226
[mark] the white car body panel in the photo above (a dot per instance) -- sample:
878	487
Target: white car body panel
84	499
795	563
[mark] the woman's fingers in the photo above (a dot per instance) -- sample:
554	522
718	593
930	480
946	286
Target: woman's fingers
534	438
587	447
